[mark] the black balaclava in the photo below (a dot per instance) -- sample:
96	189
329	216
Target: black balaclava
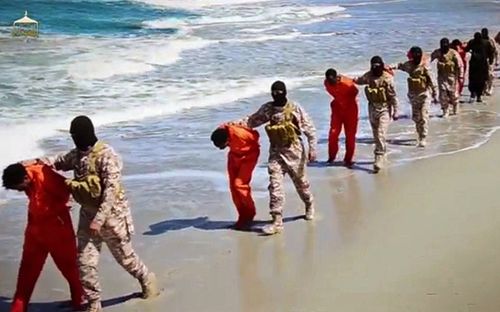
477	37
377	66
416	53
82	132
484	33
444	45
278	92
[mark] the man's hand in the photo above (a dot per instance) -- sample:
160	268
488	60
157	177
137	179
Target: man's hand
94	228
312	156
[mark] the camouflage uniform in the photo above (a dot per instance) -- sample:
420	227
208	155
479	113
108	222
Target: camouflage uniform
491	67
291	160
448	80
419	97
380	113
113	215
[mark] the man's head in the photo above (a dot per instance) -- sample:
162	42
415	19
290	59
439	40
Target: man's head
15	177
220	137
82	133
331	76
278	92
484	33
416	55
478	36
444	45
377	66
455	44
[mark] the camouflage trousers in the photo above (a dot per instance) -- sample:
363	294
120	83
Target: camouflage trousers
448	93
291	161
117	236
491	78
420	114
379	121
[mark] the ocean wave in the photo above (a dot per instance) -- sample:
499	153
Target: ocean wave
137	60
198	4
169	100
372	3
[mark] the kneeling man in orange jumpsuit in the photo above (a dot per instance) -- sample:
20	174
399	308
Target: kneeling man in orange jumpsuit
49	230
344	113
243	154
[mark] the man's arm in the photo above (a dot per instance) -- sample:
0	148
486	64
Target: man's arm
392	99
257	119
431	85
63	161
363	80
307	127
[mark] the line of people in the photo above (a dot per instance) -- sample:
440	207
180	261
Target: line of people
105	216
287	121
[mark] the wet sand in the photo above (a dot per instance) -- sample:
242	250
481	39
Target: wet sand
422	236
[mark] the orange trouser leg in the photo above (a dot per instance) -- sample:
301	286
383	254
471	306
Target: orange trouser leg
350	128
32	261
240	174
64	253
333	137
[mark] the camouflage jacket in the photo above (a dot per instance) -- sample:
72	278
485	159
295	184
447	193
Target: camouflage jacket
273	115
108	166
385	81
454	57
416	71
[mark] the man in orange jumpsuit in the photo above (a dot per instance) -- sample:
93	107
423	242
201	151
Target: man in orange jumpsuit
243	154
344	109
49	230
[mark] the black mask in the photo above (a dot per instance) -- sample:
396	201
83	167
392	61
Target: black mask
377	66
278	92
444	46
82	133
416	53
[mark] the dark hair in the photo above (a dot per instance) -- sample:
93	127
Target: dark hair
13	175
219	136
455	43
330	72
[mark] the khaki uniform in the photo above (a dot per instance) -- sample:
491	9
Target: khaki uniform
419	85
291	159
113	214
380	109
491	67
450	69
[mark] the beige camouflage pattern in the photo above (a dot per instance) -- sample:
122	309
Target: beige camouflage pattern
447	82
113	214
419	100
491	67
286	160
380	113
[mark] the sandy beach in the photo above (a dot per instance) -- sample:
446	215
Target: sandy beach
421	236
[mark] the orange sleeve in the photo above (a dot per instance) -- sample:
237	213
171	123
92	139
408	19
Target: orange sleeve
55	185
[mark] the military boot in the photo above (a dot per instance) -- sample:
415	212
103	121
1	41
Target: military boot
422	142
377	165
94	306
274	228
309	212
456	110
149	286
446	113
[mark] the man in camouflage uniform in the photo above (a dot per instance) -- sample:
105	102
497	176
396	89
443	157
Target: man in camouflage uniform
382	105
290	158
419	83
108	221
493	52
450	71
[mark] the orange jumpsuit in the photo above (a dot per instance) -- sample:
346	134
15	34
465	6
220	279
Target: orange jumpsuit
49	231
243	154
344	109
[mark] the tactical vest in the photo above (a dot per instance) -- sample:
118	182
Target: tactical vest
376	96
284	133
87	190
417	82
445	65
